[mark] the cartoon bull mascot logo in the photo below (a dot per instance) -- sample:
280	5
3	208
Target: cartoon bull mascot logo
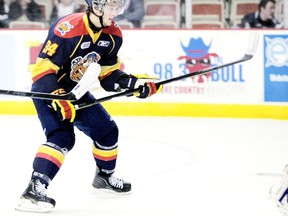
197	57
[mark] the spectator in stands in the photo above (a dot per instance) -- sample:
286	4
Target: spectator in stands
133	12
263	18
16	11
4	8
24	10
62	8
33	11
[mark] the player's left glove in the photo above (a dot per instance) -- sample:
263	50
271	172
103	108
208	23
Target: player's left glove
64	109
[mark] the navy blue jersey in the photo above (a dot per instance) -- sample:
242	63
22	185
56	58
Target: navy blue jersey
71	46
253	20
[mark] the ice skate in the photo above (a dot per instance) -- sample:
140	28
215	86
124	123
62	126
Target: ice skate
34	199
279	193
111	183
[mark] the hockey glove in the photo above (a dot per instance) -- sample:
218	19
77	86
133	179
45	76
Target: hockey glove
148	89
148	86
135	81
64	109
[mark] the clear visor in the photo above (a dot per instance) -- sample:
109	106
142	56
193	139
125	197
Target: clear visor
116	7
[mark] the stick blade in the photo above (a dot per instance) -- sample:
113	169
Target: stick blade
253	41
88	79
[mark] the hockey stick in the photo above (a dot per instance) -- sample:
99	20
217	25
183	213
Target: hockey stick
251	49
39	95
76	93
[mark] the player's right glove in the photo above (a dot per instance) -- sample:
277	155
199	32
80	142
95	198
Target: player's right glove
64	109
148	89
145	81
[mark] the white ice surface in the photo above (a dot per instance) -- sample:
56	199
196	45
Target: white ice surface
177	166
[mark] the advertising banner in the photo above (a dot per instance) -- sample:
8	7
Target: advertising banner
276	67
172	53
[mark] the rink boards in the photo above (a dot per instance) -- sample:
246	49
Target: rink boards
256	88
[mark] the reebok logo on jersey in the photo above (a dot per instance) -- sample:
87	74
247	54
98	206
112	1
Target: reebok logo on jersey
85	45
103	43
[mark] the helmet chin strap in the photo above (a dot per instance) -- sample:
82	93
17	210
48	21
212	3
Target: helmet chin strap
101	21
100	18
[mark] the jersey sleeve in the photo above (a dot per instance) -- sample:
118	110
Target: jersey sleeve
110	65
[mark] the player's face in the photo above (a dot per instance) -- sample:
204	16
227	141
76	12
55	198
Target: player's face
111	10
269	11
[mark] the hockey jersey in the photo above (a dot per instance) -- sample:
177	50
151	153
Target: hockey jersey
71	45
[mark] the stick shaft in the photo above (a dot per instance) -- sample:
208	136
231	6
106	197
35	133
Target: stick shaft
164	82
244	58
71	97
77	92
38	95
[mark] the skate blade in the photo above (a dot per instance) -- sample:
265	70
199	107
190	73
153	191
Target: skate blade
109	191
26	205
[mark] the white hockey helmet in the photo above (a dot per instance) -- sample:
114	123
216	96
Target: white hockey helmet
99	4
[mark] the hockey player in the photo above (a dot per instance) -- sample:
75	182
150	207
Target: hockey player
279	192
75	43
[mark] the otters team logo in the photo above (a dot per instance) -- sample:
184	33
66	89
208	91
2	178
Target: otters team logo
79	65
64	27
197	57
